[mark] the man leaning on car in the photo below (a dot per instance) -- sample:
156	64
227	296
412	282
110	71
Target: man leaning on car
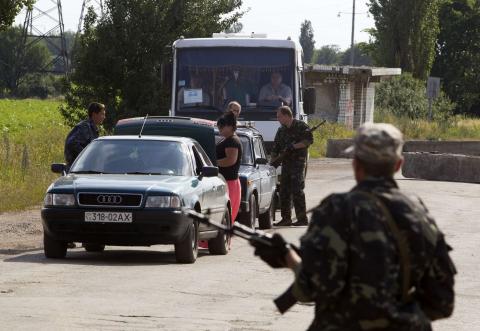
84	132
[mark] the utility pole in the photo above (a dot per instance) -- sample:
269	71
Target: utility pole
352	46
54	35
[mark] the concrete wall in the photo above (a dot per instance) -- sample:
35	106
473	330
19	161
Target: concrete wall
444	147
327	102
457	161
444	167
335	146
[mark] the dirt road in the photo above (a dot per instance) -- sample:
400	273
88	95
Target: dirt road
143	288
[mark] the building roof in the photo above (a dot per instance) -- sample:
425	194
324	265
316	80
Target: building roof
349	70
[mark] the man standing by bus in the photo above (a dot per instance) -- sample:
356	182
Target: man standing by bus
292	140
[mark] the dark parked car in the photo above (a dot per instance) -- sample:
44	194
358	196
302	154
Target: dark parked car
258	180
257	177
131	190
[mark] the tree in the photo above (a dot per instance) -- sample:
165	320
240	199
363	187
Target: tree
120	58
458	54
13	66
235	28
405	34
307	41
405	96
9	9
328	55
361	56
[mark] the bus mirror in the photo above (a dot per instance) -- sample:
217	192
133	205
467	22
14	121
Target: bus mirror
309	100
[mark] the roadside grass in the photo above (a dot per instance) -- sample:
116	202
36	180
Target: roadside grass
32	134
325	132
452	128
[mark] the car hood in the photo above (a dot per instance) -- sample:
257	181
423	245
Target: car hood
122	183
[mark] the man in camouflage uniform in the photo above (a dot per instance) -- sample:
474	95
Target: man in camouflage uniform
84	132
372	258
293	137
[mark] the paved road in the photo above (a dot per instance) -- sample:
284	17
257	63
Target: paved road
143	288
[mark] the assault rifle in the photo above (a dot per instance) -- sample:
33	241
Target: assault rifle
278	160
257	238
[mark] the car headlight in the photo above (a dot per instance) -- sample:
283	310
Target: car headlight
163	202
54	199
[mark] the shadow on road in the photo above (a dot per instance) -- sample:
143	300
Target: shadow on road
16	251
119	257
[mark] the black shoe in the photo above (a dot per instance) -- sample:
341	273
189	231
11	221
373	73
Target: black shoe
300	223
284	222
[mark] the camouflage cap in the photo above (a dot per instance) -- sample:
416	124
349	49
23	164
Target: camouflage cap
377	143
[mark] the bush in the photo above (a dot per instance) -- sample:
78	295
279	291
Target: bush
405	96
41	86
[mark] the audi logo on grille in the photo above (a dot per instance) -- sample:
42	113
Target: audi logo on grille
109	199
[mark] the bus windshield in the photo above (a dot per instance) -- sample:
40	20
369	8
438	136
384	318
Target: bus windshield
260	79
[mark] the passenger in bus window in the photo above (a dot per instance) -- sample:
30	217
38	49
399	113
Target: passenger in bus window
275	92
237	89
191	96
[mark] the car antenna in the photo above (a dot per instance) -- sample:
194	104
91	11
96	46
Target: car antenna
143	125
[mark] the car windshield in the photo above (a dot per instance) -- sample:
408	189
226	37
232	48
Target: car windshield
134	157
209	78
246	150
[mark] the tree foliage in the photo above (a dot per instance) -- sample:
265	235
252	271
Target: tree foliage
328	55
458	54
307	40
405	34
361	56
405	96
9	9
119	59
13	66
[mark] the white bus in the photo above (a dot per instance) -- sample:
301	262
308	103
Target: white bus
210	72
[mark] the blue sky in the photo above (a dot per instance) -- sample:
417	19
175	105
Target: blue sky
277	18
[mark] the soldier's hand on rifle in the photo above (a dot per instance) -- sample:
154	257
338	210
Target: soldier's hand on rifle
290	148
274	255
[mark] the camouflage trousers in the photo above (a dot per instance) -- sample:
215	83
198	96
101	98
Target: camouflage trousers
292	184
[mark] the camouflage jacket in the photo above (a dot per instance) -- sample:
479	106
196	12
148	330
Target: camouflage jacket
350	263
297	132
80	136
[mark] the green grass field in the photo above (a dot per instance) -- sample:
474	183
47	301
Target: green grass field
31	138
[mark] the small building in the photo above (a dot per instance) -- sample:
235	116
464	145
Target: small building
346	94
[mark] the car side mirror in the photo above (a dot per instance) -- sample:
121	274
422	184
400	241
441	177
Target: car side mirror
208	171
309	100
59	168
261	161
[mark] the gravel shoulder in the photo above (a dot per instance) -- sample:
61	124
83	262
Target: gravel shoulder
20	231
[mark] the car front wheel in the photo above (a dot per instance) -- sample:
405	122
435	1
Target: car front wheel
54	249
186	251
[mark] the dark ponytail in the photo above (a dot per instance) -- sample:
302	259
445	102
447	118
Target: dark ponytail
228	119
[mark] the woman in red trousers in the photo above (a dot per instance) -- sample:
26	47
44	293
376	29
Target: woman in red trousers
229	155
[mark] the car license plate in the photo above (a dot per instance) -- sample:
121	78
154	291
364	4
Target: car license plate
108	217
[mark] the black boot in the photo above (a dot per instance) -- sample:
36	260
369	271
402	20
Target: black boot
284	222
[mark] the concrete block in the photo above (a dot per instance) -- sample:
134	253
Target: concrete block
443	167
443	147
335	147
